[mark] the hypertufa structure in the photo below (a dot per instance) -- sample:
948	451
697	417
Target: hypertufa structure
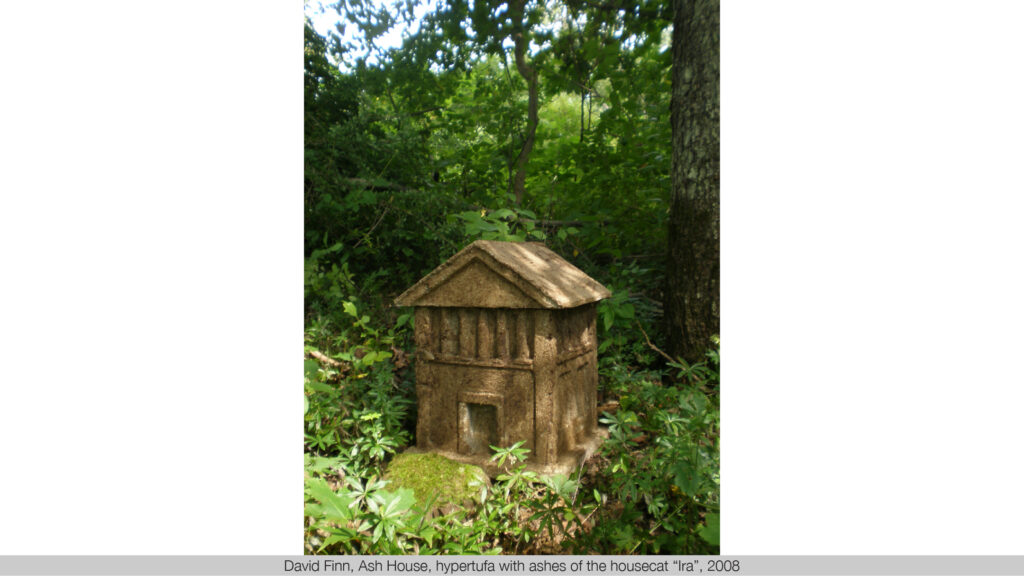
506	351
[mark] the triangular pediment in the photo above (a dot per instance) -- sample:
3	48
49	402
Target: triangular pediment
490	274
475	285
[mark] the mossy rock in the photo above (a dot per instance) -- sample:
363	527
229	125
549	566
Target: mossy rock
441	483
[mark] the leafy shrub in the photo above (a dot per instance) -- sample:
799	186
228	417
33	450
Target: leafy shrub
663	457
370	517
504	224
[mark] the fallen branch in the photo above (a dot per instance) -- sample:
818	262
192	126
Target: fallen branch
325	359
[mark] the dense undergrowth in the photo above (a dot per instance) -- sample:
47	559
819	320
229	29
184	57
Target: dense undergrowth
652	488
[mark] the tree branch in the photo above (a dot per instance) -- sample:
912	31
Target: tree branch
379	185
616	7
653	347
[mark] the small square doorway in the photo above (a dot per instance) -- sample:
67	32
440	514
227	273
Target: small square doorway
480	417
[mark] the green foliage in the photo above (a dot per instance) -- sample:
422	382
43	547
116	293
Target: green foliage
664	457
504	224
400	154
703	374
354	411
363	519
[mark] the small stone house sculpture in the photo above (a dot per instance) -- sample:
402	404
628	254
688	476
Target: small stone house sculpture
506	339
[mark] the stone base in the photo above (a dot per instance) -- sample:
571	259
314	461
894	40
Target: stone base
565	465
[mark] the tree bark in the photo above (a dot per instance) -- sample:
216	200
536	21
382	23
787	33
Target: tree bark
692	292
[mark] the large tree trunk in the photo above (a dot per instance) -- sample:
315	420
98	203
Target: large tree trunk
691	307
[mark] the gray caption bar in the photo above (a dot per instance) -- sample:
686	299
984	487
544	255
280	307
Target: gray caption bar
527	565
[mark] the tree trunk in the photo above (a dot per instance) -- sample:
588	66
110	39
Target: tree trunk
522	42
692	296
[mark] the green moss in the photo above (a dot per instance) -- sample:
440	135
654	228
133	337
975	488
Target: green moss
433	476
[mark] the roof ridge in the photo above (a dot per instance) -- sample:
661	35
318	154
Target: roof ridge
533	268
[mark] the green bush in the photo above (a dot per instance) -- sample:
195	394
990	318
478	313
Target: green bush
656	489
664	463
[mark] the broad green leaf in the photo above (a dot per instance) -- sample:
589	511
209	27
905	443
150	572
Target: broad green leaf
334	505
320	464
319	386
342	535
710	530
685	477
311	367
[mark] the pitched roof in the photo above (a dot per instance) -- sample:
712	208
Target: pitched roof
491	274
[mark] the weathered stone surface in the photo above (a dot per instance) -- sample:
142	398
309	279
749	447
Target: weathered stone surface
506	338
491	274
